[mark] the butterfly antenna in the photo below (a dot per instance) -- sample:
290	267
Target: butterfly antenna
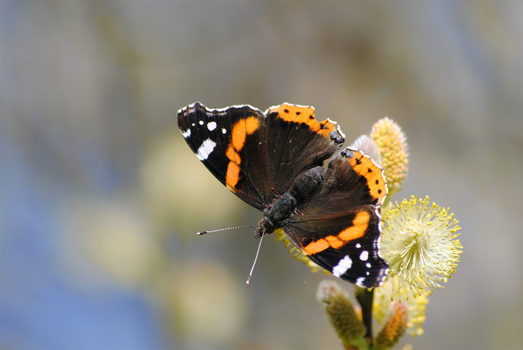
255	259
225	229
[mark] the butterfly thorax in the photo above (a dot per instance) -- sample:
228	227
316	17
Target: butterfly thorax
275	215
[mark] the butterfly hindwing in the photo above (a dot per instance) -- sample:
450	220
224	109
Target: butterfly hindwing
338	227
347	245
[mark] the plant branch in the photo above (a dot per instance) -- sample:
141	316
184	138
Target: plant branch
365	298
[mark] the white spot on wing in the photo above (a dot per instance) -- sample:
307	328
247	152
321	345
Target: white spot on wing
186	133
200	122
364	255
360	281
211	126
224	131
342	267
358	245
205	149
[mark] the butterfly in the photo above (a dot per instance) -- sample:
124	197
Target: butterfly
273	161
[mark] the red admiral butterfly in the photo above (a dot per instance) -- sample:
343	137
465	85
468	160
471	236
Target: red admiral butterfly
273	161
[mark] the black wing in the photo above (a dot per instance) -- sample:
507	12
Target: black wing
256	155
227	141
339	227
297	142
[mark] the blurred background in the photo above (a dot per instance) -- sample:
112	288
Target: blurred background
101	199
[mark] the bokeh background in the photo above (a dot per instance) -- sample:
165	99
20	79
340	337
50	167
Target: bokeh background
100	197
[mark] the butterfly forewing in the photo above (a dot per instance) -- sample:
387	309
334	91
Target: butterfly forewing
231	144
296	142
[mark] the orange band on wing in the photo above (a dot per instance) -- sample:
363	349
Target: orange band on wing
251	125
360	222
360	225
305	115
233	176
365	167
233	155
240	130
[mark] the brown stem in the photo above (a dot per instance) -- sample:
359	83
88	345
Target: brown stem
366	297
